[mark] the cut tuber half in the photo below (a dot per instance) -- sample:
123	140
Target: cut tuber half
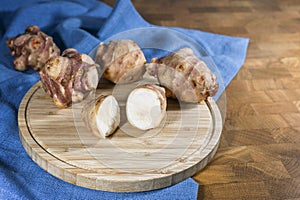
102	115
146	106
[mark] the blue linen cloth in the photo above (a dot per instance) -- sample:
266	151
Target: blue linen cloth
81	25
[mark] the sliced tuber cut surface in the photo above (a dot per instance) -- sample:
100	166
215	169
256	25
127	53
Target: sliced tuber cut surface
102	115
146	106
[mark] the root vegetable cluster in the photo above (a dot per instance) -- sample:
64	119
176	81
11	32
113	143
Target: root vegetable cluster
70	77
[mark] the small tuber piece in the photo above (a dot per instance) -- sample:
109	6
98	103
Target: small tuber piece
32	49
146	106
69	78
102	115
184	76
122	61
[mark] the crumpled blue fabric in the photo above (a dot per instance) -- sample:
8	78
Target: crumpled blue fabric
80	25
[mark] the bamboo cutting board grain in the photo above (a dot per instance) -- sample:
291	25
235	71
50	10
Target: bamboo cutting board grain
128	161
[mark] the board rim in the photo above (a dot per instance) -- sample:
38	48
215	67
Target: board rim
81	177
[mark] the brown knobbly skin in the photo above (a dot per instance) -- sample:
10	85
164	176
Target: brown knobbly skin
32	49
69	78
122	61
184	76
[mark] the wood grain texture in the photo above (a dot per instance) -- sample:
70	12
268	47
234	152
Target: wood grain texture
128	161
262	130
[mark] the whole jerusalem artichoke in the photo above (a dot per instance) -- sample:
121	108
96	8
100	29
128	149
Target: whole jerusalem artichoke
32	49
69	78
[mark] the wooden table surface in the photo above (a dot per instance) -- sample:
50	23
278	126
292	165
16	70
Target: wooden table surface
259	154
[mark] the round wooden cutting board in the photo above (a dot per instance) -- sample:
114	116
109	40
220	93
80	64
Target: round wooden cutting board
128	161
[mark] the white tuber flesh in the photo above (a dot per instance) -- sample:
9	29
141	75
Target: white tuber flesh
103	115
146	106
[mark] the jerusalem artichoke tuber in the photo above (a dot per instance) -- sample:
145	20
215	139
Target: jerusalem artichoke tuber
69	78
146	106
184	76
32	49
122	61
102	115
